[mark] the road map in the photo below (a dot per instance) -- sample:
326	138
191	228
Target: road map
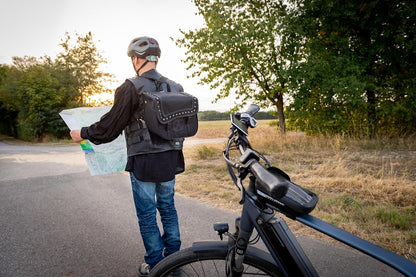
101	159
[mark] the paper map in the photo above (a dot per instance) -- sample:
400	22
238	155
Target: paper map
101	159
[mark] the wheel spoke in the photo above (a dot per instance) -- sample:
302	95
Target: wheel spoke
212	263
211	268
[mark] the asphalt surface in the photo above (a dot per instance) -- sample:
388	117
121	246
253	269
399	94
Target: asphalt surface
58	220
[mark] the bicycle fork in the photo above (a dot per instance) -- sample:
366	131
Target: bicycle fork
237	245
279	240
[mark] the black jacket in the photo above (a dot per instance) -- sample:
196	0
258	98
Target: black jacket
146	165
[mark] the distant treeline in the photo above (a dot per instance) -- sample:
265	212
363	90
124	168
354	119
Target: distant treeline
214	115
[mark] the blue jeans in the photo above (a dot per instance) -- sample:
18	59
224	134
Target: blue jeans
148	197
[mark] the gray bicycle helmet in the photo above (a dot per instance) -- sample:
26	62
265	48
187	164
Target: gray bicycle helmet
144	47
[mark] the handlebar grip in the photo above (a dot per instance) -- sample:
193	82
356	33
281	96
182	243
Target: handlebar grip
267	182
252	109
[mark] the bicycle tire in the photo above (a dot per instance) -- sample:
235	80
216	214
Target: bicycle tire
209	259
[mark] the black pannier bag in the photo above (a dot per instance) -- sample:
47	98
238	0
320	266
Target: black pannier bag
170	114
297	201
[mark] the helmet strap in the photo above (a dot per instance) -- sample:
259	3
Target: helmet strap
138	70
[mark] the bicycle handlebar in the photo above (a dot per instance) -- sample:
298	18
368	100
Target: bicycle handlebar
252	109
266	182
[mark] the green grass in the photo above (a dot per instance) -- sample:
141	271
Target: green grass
205	152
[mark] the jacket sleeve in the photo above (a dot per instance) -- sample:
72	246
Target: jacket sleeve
113	123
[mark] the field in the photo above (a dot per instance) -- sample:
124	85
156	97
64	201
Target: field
366	187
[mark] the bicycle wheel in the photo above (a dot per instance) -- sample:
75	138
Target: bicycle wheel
211	261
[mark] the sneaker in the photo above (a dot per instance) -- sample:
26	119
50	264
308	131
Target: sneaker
144	270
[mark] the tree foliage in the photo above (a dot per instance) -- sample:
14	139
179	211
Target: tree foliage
34	90
83	59
238	51
359	73
344	66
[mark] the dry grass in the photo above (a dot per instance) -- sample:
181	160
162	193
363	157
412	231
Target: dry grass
365	187
213	129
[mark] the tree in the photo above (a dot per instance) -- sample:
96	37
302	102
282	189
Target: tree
239	51
8	117
83	59
358	76
33	91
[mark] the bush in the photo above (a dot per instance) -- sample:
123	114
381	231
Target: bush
206	152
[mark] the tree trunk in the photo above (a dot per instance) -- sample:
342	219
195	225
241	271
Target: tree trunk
280	114
371	114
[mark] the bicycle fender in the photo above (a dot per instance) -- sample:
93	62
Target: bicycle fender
206	246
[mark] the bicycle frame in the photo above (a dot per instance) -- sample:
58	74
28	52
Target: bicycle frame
276	235
288	254
391	259
279	240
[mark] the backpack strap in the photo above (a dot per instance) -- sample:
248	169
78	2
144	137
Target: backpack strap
164	85
138	114
161	85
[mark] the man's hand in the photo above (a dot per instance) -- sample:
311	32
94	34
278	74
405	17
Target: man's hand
76	135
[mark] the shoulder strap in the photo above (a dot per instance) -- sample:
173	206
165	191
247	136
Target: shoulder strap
138	114
161	83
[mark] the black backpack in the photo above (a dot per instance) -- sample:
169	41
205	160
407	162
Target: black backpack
169	114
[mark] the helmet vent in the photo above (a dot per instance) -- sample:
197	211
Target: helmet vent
143	47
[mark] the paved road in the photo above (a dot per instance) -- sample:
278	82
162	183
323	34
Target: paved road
57	220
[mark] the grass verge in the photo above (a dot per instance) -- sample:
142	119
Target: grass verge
366	187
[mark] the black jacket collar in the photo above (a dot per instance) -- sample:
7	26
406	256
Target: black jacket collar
151	74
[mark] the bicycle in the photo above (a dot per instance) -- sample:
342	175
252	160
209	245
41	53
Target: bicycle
268	194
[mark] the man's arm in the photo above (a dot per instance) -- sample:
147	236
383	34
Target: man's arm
112	123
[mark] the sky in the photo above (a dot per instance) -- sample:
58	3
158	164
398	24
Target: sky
35	28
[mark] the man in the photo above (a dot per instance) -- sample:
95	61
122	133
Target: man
152	161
